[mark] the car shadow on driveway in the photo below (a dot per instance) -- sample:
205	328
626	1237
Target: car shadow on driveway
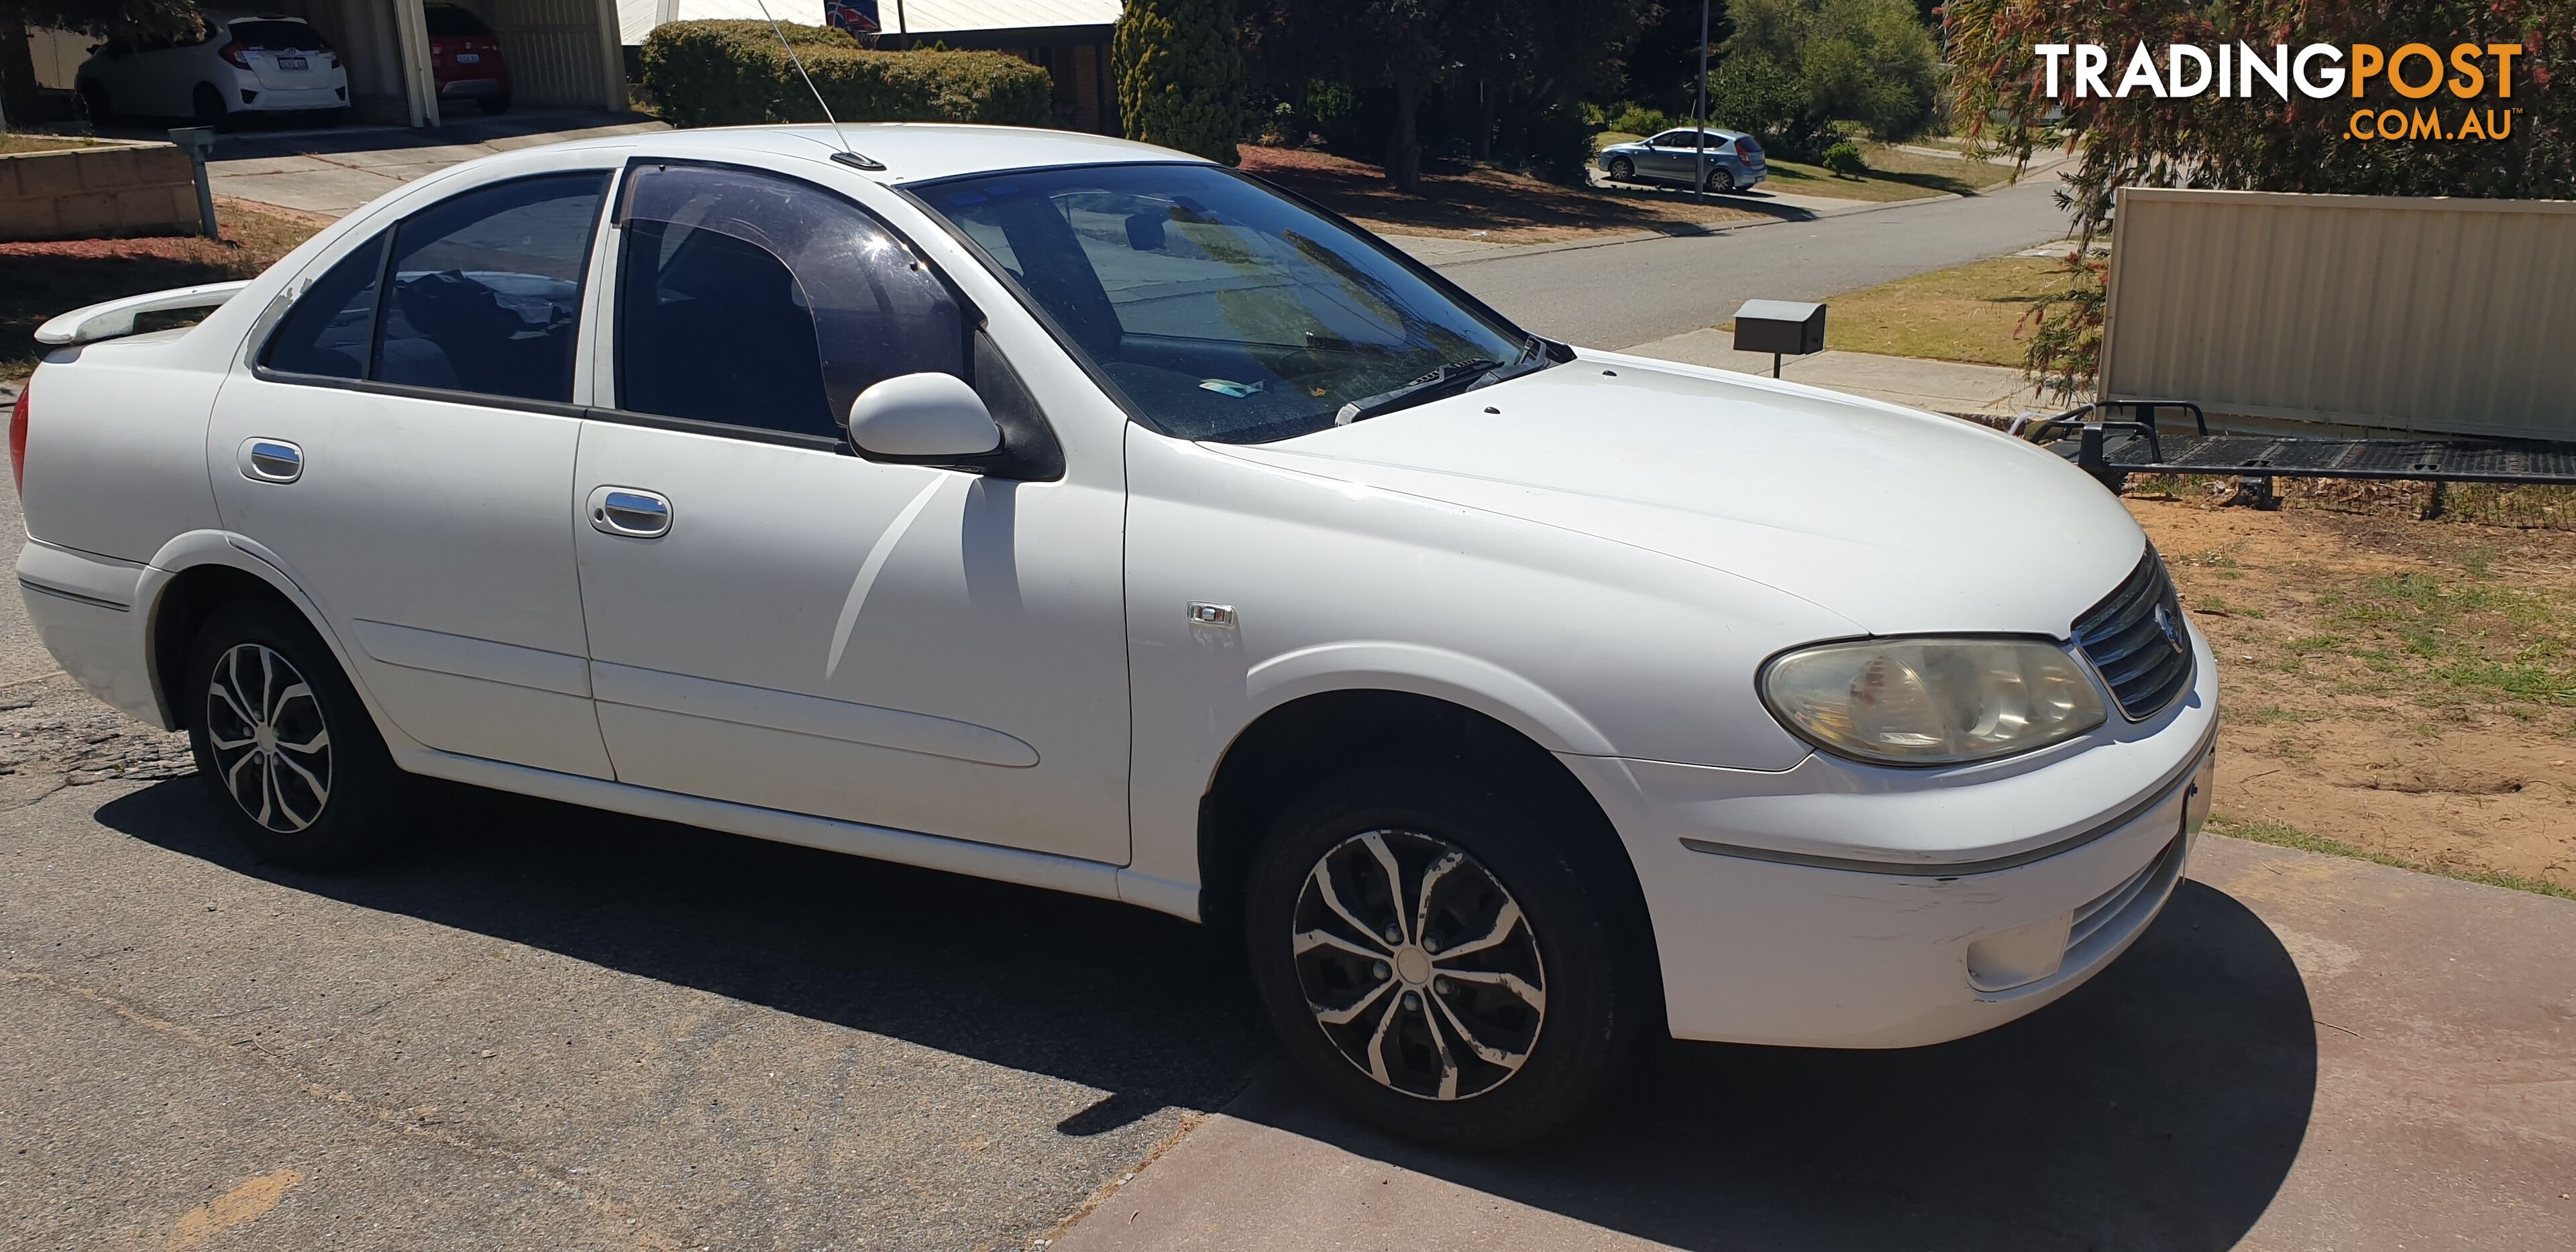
2159	1106
1135	1003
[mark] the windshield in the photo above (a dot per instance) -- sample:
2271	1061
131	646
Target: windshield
1221	310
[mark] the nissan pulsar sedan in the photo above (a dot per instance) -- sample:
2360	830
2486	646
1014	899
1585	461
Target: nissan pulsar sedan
1070	512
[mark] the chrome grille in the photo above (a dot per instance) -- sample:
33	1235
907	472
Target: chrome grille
2135	636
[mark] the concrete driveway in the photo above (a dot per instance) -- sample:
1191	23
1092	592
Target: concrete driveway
334	171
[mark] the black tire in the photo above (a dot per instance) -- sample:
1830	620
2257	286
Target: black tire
1402	1069
495	104
285	746
102	111
207	107
1623	170
1721	182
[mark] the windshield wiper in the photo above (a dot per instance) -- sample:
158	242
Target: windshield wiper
1454	376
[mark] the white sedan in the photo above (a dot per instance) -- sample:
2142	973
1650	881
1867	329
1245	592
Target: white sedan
1071	512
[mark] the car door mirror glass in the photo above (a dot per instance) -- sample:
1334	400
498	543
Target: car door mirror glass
922	417
1145	231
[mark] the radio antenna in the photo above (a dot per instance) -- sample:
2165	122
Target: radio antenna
847	155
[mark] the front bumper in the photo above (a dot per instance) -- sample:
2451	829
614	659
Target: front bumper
1840	906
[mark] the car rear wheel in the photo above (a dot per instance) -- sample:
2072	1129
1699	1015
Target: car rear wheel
1435	956
285	745
1721	181
207	105
1623	170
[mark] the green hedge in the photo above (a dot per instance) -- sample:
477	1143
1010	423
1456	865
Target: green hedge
733	74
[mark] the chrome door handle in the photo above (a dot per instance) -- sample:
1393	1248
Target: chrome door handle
631	512
270	460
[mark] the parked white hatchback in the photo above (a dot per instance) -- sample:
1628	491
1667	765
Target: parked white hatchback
1062	510
271	63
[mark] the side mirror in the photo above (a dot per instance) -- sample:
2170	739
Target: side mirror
922	418
1145	231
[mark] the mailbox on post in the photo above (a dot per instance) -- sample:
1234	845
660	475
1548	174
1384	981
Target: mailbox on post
1779	327
197	141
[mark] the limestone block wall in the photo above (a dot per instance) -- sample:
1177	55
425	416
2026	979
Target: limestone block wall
114	188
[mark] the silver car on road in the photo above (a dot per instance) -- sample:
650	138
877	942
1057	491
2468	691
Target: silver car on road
1734	159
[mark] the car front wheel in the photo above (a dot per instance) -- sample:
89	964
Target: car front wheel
285	744
1435	957
1623	170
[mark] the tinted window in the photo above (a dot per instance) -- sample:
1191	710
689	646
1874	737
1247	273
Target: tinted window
326	332
758	301
278	37
1220	309
487	289
446	21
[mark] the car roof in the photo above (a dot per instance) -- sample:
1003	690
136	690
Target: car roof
1709	130
911	151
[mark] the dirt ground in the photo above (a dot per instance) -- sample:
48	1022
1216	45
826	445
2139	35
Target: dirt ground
2401	686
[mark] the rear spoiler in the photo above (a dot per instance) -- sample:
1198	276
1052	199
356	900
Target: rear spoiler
111	319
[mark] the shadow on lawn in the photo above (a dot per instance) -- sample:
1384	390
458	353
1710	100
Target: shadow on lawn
2159	1106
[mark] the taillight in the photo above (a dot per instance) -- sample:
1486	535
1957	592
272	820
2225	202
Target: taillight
233	52
18	436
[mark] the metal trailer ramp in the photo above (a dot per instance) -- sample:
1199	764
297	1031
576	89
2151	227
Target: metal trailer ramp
2111	448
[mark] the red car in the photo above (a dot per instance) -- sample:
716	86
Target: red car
465	58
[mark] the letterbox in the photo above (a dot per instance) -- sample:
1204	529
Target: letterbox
1781	326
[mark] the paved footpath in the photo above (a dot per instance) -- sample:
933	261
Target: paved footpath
2306	1052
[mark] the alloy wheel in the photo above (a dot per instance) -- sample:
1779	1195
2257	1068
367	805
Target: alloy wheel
271	746
1418	965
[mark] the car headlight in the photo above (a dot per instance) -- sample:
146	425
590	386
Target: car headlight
1932	701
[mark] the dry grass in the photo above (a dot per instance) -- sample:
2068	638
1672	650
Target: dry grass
39	280
1476	202
1970	313
1893	175
13	141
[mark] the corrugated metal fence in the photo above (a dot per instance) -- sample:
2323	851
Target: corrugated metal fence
2389	312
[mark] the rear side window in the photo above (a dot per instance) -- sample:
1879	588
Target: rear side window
485	290
485	296
446	21
326	333
762	302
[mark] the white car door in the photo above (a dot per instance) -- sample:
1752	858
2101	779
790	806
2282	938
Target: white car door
778	622
408	462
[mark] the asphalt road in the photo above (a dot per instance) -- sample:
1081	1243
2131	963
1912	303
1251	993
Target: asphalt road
556	1028
1627	294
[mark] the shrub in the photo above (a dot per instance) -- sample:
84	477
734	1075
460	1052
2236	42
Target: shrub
1637	119
1844	159
1180	75
1752	92
732	74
